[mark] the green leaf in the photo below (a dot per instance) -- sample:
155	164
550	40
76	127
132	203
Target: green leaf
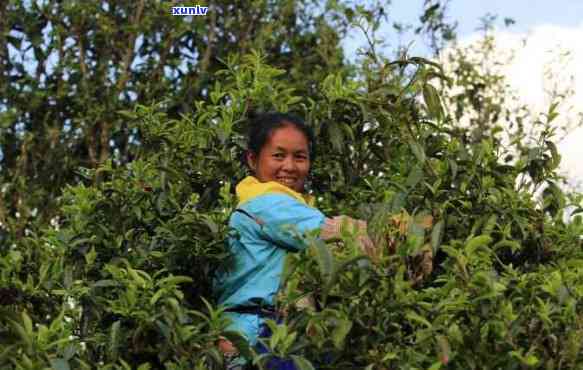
529	360
433	102
136	277
68	277
15	41
348	132
27	323
454	333
436	235
157	296
556	157
175	280
553	199
340	332
60	364
444	348
81	241
69	352
454	168
90	256
398	202
44	269
324	258
57	342
436	366
336	136
214	353
127	114
114	338
288	341
415	176
418	151
7	352
513	245
289	266
415	317
301	363
552	112
105	283
533	153
339	270
422	61
415	236
477	242
213	227
490	224
24	336
278	333
165	329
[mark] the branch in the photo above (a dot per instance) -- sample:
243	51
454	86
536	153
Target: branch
104	136
255	17
211	40
129	55
3	48
82	64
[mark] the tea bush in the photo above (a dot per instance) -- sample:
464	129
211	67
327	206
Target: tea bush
122	278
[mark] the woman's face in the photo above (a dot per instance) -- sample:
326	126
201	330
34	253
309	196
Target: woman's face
284	158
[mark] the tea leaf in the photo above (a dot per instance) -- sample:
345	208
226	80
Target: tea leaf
437	235
302	363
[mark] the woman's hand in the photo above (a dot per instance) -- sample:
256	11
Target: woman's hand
226	346
333	228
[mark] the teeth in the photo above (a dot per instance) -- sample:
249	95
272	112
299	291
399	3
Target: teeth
286	180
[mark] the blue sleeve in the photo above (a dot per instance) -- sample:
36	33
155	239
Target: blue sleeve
285	219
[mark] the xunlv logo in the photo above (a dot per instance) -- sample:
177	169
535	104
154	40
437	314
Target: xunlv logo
189	10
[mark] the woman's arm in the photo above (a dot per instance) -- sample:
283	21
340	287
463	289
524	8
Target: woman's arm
284	220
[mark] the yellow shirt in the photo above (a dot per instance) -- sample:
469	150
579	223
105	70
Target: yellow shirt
250	188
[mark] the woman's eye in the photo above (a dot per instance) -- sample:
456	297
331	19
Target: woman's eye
278	155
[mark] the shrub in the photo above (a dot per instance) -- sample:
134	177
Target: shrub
122	280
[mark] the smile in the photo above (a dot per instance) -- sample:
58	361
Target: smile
286	180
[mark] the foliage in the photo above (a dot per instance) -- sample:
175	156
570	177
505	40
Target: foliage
121	278
68	68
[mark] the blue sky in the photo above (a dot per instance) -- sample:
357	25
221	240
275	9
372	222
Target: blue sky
527	14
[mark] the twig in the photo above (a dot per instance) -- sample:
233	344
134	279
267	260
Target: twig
205	62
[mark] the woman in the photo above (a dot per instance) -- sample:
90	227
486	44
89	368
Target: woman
272	215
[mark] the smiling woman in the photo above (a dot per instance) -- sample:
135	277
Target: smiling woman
272	216
281	151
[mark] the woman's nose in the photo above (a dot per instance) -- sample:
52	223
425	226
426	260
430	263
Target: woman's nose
289	164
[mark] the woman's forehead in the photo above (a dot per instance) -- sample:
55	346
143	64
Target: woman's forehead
287	138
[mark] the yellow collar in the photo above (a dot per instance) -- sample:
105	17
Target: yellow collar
250	188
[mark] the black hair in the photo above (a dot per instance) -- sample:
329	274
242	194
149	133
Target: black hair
262	126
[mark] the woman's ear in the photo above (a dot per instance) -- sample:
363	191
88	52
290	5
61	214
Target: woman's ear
251	159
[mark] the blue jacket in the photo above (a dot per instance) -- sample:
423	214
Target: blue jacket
270	224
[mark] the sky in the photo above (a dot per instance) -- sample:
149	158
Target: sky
546	36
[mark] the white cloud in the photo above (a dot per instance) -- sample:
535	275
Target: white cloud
546	59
